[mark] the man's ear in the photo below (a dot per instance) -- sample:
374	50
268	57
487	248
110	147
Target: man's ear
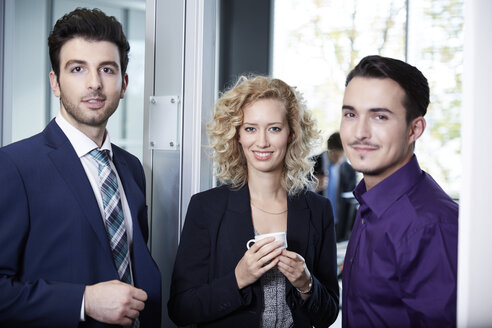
416	128
54	84
123	86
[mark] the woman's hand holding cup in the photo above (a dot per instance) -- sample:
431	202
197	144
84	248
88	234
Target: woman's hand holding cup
293	267
257	260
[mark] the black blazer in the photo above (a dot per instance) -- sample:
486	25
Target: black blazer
218	225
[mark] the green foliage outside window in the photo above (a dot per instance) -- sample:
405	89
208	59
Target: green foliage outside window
317	42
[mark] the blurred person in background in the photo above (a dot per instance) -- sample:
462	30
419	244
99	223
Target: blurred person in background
337	180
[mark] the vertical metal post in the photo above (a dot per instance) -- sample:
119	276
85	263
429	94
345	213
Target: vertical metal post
49	25
163	78
180	92
2	46
7	53
407	6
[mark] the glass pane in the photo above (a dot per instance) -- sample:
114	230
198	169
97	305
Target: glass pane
27	56
317	42
436	47
26	65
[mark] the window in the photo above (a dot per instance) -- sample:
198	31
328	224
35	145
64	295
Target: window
317	42
28	101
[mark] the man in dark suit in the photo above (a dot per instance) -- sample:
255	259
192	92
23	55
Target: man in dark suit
73	218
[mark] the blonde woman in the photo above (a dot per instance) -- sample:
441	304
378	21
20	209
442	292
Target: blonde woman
261	136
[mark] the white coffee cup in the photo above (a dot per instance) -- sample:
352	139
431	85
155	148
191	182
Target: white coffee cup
279	236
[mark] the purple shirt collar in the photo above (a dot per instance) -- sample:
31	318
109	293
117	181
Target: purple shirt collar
385	193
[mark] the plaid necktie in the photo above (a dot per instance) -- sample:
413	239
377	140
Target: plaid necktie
113	218
113	214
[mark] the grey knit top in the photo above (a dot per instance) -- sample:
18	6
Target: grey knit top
276	312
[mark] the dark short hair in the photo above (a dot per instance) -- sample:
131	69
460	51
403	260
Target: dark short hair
334	142
90	24
412	81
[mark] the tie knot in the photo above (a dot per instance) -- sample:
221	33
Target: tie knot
102	156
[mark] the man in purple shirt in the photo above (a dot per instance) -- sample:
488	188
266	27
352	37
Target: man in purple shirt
401	260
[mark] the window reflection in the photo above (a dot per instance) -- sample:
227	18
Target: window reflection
32	104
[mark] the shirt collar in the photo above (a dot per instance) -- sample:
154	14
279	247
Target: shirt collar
81	142
385	193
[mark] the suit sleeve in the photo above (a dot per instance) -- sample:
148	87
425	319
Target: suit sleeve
323	305
194	297
37	303
348	178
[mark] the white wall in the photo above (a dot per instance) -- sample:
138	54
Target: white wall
475	240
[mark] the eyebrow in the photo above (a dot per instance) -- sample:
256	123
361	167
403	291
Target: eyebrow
272	123
110	63
83	62
74	62
380	110
372	110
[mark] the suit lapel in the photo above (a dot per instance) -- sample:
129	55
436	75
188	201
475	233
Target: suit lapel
136	199
129	187
134	195
298	224
71	170
238	222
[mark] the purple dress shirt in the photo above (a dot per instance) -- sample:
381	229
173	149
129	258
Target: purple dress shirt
401	260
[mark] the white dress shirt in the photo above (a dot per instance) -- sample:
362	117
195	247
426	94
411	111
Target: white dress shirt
83	145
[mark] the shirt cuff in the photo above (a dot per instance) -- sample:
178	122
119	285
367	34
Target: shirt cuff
82	312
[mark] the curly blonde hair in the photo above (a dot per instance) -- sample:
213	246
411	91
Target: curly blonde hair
229	159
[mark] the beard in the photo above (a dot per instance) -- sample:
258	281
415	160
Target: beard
371	171
382	167
95	118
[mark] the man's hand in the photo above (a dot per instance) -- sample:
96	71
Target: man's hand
114	302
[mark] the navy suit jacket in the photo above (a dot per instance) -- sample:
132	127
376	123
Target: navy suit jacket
52	237
218	225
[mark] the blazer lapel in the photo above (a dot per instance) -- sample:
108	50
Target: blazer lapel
145	272
238	222
134	195
71	170
298	224
128	186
